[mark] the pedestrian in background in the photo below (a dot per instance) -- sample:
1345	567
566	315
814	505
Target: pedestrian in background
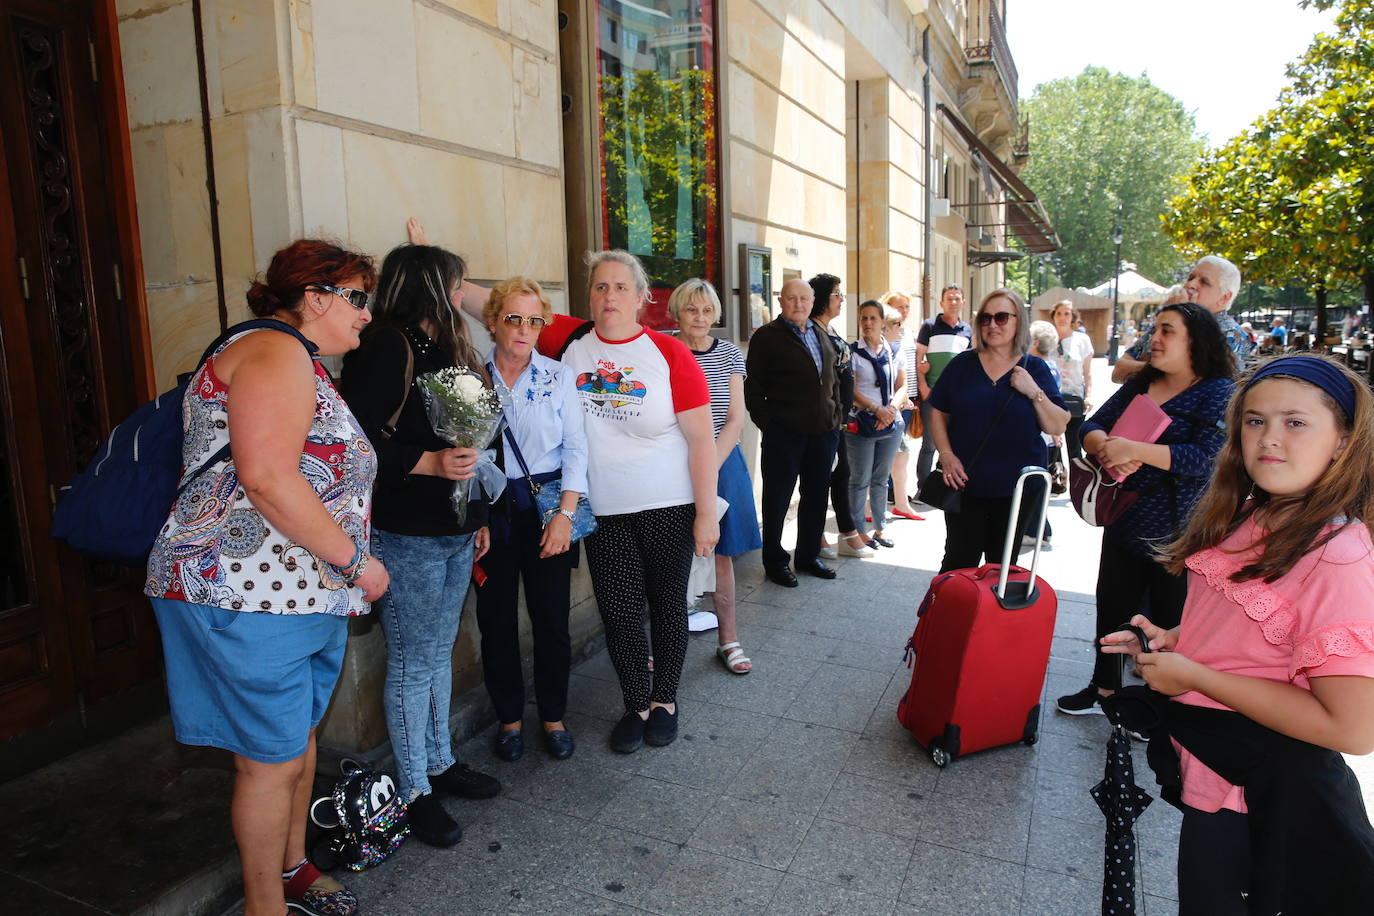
903	344
1073	358
940	340
874	431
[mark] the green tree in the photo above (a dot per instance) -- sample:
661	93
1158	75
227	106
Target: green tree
1291	200
1101	140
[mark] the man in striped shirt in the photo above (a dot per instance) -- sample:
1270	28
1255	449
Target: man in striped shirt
940	340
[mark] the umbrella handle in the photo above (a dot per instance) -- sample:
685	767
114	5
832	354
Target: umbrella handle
1139	634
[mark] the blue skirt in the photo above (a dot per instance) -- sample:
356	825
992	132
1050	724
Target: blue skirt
739	529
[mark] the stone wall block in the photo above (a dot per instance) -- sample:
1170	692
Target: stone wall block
230	139
182	320
303	52
466	83
538	116
159	57
246	55
324	189
365	67
536	241
487	11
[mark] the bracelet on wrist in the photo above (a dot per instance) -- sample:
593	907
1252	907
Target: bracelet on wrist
352	576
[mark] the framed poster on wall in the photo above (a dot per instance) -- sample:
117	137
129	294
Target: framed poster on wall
755	287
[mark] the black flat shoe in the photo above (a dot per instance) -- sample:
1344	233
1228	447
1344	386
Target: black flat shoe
431	824
816	568
559	744
880	542
782	576
465	782
661	729
510	746
628	734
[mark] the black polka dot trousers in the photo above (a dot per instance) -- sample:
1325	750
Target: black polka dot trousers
636	560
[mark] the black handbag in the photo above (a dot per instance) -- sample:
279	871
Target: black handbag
1076	405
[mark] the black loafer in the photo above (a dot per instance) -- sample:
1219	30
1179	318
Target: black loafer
431	824
465	782
628	734
880	542
510	746
781	575
816	568
661	729
559	743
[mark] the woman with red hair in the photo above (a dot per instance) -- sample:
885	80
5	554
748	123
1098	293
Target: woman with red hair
265	557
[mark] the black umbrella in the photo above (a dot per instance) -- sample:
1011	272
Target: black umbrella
1121	801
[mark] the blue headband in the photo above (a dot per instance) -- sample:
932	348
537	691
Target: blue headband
1317	371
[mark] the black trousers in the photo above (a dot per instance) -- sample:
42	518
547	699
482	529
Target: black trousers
839	492
1213	863
1129	584
514	557
788	460
978	530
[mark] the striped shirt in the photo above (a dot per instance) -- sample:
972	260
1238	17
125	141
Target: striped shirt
719	362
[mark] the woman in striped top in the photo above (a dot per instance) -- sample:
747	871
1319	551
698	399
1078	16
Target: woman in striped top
695	306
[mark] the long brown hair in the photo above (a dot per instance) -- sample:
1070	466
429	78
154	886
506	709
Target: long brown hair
1345	489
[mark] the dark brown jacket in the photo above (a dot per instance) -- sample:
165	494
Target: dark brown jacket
783	387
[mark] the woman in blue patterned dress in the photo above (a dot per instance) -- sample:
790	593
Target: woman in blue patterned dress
265	557
696	307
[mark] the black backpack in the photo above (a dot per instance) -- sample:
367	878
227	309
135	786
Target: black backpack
114	509
363	818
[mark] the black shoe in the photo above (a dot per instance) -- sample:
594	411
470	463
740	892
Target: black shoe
559	743
1086	702
875	542
431	824
510	745
782	576
628	734
816	568
661	729
465	782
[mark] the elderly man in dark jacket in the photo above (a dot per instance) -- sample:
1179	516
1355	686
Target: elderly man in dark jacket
793	397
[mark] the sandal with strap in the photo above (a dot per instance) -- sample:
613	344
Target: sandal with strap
733	658
310	892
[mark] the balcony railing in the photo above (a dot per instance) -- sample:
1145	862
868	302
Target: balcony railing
987	41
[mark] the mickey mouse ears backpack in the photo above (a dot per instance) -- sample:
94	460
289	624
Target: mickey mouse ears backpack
363	817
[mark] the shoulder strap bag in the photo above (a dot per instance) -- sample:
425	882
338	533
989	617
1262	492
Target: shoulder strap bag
548	495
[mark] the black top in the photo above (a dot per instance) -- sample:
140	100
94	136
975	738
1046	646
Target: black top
783	386
373	376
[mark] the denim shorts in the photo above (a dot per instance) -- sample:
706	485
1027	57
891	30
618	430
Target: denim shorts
248	682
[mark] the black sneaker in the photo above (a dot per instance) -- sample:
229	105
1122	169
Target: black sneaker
661	729
1085	702
465	782
431	824
628	734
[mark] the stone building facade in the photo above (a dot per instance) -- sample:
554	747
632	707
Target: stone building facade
748	141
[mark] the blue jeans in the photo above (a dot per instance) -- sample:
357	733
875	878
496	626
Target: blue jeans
419	615
870	463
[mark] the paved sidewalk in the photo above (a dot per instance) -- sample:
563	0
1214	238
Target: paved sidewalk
793	790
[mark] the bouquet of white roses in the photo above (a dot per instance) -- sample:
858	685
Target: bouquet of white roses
466	414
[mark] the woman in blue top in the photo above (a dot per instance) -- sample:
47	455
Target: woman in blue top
987	413
544	421
1189	376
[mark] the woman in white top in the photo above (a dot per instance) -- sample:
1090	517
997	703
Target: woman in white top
1074	360
874	430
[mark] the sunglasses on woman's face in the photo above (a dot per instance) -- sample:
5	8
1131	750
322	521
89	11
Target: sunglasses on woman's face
357	298
987	318
514	320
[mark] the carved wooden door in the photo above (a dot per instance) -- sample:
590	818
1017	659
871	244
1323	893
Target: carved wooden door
72	632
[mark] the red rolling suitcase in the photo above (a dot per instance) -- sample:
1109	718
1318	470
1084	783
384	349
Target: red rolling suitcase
980	650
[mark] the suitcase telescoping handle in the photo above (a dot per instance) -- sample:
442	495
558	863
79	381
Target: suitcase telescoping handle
1026	597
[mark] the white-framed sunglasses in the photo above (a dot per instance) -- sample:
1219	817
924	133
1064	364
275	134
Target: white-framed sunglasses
358	298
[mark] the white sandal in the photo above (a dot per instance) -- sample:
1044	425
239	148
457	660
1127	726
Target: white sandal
732	656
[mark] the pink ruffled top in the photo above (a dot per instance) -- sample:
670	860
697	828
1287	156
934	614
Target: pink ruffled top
1315	621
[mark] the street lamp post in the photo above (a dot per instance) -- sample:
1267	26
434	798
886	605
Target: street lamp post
1116	293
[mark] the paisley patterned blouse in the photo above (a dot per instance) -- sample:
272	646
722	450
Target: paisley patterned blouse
217	549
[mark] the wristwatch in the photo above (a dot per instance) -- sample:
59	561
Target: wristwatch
569	514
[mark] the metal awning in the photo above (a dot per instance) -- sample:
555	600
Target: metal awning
1025	214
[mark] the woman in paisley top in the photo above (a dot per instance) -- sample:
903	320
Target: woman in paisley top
430	553
265	556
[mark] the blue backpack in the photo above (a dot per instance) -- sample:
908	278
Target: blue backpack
114	509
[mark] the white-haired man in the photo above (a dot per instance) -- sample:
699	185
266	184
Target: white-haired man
1213	284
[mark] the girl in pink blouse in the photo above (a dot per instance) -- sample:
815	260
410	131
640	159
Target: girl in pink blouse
1278	624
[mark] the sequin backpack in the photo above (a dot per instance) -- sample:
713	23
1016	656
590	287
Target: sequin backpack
363	818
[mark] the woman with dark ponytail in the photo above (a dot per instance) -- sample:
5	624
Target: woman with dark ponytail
419	330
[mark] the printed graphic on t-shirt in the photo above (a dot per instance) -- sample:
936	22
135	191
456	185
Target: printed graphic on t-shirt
610	384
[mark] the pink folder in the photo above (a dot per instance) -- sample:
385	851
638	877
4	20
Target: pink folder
1141	421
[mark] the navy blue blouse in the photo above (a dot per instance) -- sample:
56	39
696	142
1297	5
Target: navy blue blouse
1167	497
972	400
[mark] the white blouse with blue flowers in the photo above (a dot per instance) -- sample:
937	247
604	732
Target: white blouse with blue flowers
544	412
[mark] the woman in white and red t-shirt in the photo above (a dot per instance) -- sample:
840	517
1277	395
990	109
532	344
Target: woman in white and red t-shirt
651	480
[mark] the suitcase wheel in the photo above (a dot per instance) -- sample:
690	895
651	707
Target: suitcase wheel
1030	740
938	754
